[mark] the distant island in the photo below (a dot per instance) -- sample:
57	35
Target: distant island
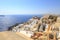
2	15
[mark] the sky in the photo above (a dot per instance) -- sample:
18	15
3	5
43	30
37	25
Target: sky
29	7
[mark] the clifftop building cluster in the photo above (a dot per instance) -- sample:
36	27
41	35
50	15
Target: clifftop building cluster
44	28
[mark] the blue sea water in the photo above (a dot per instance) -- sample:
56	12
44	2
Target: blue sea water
9	20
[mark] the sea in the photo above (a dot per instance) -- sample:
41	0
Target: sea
9	20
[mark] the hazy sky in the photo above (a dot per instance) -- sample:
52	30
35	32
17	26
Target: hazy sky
29	6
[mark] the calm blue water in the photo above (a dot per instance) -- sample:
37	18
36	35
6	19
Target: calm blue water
9	20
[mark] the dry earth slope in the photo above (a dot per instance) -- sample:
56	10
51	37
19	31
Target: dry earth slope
12	36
